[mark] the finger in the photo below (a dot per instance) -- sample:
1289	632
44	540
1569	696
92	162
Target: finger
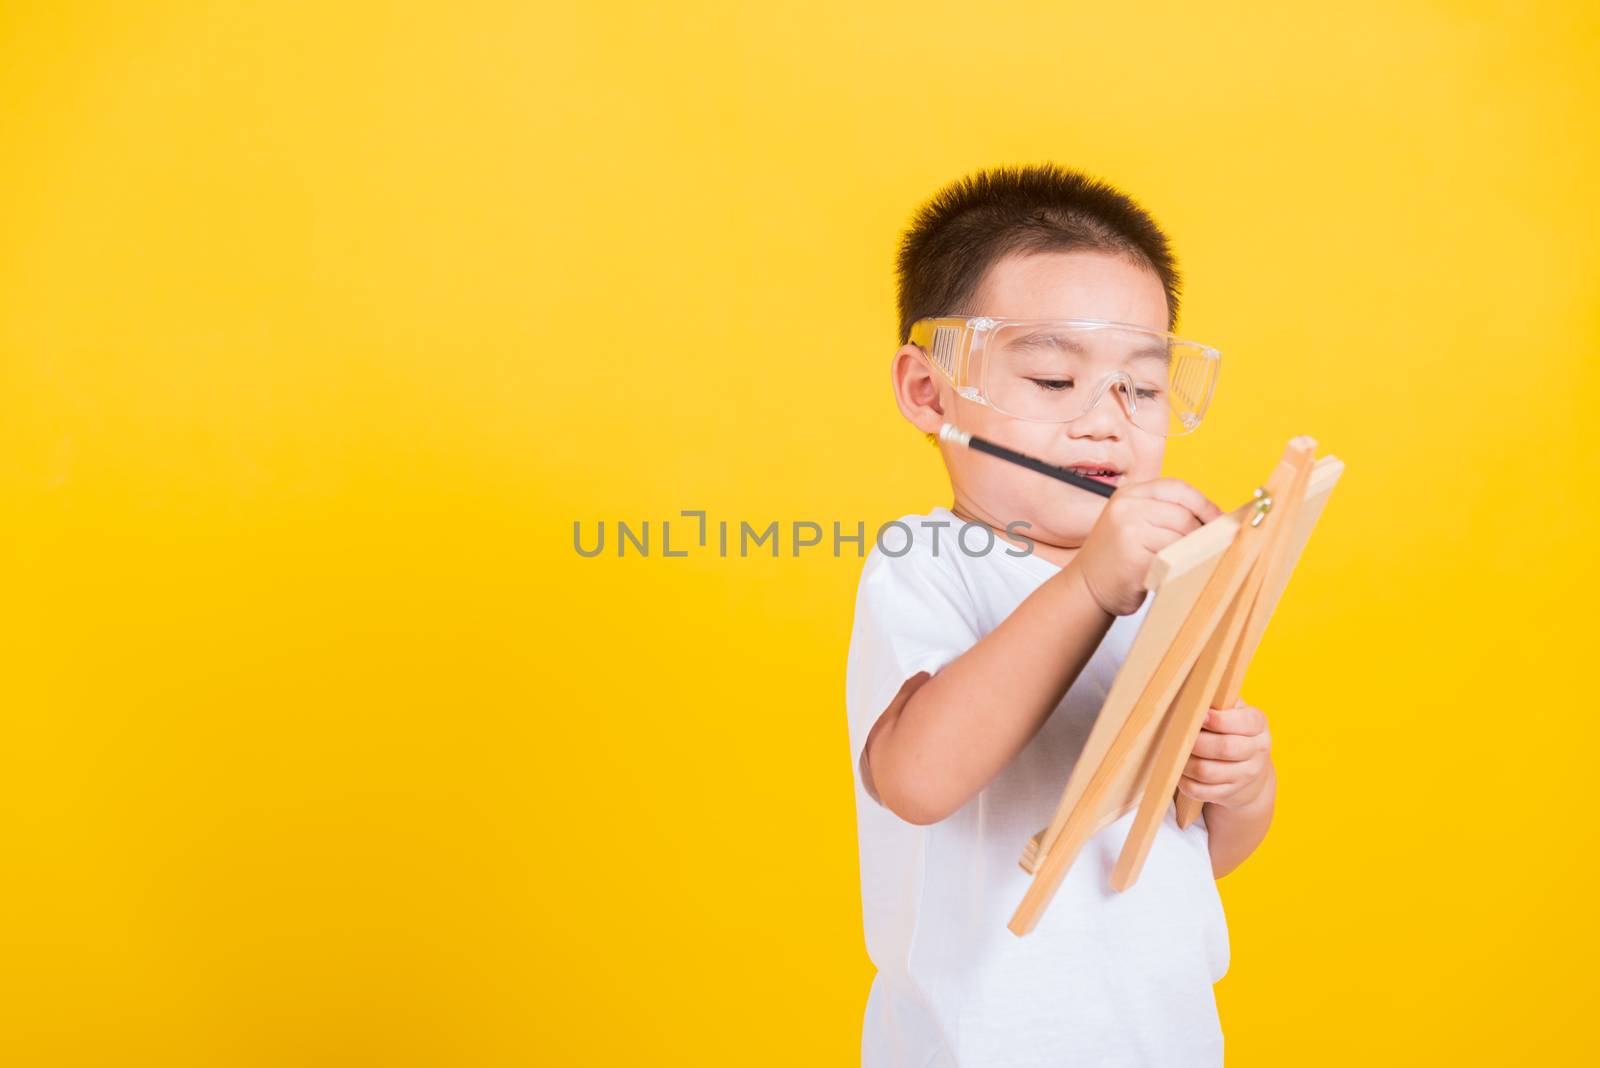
1181	493
1170	516
1157	524
1214	746
1215	771
1202	791
1240	719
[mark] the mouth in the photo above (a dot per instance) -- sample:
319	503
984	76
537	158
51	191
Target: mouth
1109	475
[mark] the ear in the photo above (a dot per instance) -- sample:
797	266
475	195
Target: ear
918	389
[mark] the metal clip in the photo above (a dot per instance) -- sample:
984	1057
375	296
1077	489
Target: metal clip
1263	506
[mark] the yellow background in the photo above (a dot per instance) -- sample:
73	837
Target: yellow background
322	323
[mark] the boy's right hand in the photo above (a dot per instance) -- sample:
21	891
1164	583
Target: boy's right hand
1138	521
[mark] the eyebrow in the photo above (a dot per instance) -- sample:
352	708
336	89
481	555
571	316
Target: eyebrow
1045	339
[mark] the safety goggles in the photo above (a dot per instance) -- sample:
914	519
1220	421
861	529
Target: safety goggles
1055	370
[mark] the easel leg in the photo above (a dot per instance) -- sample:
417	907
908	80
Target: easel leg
1275	560
1172	753
1220	666
1220	591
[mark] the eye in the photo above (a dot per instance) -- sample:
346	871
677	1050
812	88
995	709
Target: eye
1148	394
1052	384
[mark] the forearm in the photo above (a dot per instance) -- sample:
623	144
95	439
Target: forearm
974	716
1236	831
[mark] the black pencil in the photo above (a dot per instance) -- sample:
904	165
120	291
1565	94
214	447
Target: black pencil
950	432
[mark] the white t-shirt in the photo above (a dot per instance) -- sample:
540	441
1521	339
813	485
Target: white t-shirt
1105	978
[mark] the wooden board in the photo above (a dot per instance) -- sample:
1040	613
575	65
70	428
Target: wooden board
1178	578
1224	655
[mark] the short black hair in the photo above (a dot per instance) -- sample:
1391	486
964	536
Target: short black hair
973	222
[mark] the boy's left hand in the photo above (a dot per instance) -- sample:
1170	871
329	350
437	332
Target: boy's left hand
1231	761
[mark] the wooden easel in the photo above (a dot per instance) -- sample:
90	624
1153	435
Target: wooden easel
1215	590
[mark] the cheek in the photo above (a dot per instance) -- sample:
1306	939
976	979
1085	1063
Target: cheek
1058	512
1008	492
1147	459
1003	486
983	421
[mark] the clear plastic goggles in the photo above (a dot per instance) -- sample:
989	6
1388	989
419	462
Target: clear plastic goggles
1055	370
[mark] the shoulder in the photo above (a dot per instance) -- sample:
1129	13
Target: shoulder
922	545
935	562
940	543
917	605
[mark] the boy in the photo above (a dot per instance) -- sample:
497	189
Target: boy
974	676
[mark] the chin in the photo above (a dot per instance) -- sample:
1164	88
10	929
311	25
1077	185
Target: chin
1061	531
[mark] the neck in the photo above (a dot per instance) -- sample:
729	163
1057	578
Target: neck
1060	555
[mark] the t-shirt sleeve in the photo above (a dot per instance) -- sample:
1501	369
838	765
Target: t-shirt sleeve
913	613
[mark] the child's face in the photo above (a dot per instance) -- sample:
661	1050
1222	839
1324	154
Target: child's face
1074	285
